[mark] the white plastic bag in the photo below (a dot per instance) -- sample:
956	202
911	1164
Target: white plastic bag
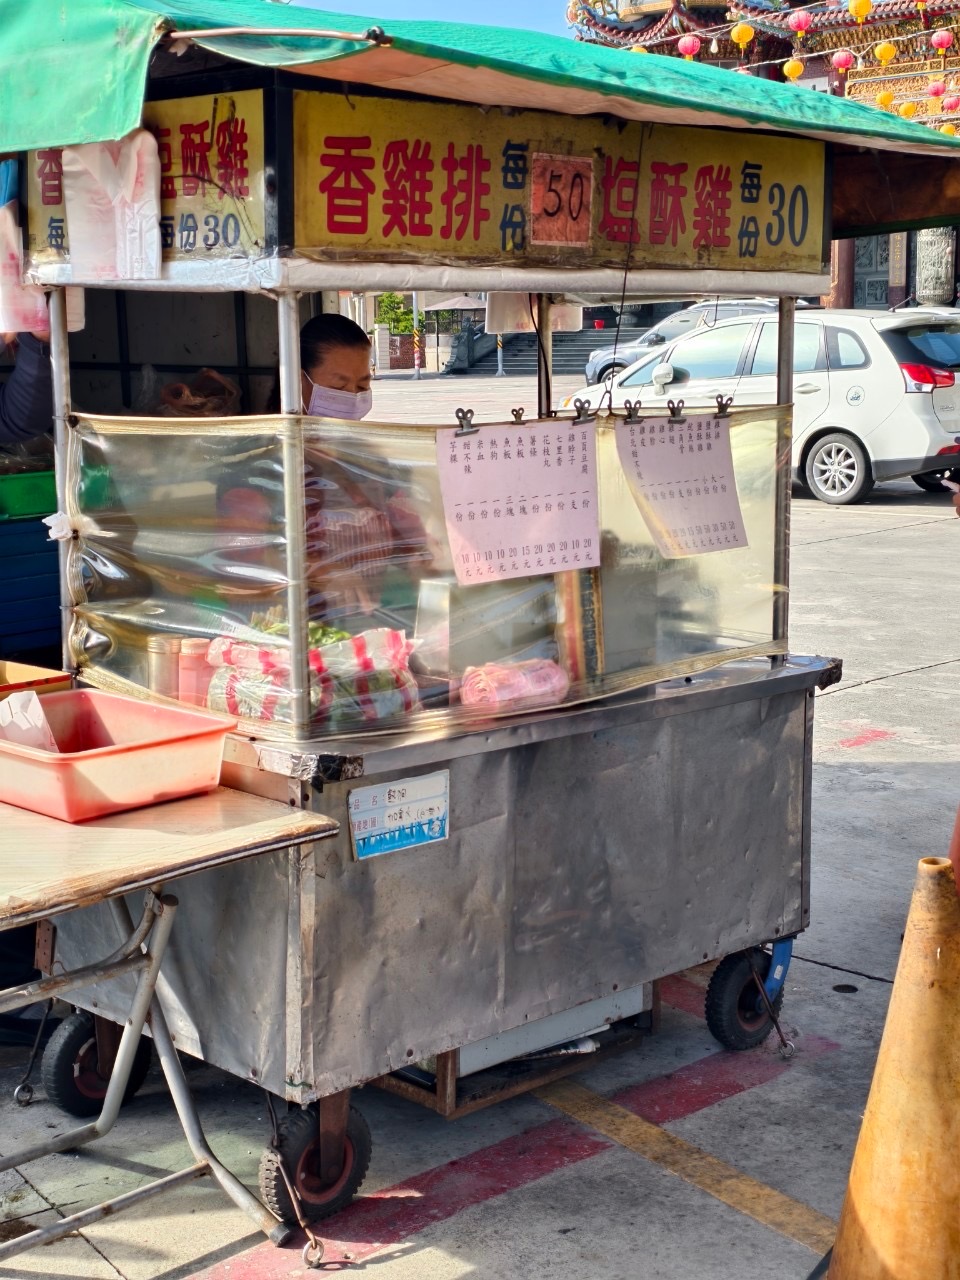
22	720
112	195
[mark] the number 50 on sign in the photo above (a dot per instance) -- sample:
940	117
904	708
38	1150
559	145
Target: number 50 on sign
561	199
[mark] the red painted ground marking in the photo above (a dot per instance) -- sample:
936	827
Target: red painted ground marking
680	993
869	735
388	1218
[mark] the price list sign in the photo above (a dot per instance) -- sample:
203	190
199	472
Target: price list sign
681	474
520	500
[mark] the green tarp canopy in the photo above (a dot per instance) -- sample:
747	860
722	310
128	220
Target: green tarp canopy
75	71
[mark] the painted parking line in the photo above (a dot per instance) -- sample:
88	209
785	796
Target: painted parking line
388	1218
755	1199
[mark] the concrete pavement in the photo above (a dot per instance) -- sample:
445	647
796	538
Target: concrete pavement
585	1181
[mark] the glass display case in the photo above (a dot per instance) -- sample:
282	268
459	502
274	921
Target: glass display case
193	547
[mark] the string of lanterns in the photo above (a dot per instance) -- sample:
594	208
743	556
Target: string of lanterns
799	22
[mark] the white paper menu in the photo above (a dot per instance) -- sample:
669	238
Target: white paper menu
681	474
520	500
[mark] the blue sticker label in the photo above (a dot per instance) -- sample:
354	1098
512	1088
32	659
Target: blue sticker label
399	815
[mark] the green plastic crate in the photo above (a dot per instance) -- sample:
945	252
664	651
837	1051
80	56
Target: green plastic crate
27	493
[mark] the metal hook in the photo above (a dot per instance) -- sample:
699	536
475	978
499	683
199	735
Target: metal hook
723	406
584	412
465	419
676	410
633	410
517	415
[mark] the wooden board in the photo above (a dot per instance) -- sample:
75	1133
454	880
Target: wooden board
48	867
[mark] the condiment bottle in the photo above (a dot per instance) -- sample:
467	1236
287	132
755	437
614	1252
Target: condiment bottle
163	665
195	672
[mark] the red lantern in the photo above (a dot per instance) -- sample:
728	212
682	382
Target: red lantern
689	46
951	103
936	89
941	41
843	60
799	22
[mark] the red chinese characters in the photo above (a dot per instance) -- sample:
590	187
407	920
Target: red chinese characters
407	206
667	221
168	184
195	158
347	185
464	193
711	216
50	176
620	186
232	160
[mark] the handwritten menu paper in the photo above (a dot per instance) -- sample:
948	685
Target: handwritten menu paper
681	475
520	500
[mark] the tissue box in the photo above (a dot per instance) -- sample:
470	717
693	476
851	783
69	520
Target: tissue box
115	754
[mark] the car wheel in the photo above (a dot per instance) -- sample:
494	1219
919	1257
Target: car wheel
838	470
932	481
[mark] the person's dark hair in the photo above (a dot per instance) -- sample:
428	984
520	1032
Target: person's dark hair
322	332
317	337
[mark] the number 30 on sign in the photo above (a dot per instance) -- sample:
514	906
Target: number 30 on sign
561	198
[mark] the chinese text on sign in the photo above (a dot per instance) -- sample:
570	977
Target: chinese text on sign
520	500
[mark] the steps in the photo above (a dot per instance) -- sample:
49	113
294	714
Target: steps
570	350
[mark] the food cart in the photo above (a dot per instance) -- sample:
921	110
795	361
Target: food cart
567	747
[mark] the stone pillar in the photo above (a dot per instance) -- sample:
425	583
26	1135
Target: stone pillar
842	255
936	254
897	278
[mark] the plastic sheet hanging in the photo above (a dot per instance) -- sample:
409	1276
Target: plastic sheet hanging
187	561
112	196
23	307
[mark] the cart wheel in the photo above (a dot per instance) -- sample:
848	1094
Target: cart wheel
736	1014
298	1138
70	1070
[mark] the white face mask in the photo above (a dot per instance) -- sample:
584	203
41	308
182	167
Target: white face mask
328	402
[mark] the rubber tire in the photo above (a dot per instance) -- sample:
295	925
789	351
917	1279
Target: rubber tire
297	1134
929	481
608	371
728	1005
861	486
62	1057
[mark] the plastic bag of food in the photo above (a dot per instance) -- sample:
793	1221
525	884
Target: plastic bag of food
497	684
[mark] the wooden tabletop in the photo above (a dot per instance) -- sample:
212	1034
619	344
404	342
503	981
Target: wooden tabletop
48	867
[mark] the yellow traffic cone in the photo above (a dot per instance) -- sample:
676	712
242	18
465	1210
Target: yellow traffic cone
901	1214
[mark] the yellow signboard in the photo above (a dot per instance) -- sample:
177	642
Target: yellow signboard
211	186
383	180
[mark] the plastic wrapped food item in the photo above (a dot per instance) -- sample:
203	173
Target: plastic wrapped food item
209	395
358	680
497	684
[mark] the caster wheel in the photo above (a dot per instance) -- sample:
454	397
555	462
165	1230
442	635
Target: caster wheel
736	1014
299	1144
70	1071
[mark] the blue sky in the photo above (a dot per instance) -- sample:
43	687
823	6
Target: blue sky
537	15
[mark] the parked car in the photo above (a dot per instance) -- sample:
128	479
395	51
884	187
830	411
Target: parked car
875	394
611	359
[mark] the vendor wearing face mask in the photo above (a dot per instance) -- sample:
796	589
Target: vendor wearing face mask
335	364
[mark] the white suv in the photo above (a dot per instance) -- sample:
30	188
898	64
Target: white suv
875	393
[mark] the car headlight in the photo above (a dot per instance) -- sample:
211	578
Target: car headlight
595	355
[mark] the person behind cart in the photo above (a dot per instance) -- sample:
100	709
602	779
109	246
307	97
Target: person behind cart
26	398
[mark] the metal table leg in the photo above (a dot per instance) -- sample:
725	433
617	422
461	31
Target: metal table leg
157	923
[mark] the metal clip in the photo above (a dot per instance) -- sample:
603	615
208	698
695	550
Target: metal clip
517	416
676	410
465	419
584	412
723	406
633	410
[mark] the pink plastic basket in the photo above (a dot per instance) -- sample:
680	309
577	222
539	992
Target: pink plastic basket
115	754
